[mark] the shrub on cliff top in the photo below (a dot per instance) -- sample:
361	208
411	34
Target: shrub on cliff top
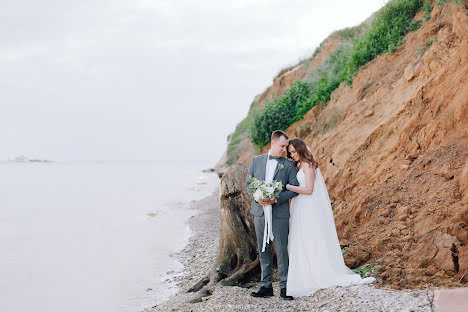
325	78
316	88
385	34
279	113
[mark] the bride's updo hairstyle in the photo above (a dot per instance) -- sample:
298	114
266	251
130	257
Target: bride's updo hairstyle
304	153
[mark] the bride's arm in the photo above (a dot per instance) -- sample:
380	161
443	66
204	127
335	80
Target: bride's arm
308	189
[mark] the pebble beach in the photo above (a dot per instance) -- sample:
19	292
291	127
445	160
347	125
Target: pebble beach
198	258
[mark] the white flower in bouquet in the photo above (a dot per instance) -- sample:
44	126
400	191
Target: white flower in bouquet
262	190
257	195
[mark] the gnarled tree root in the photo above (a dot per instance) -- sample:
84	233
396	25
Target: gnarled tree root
237	256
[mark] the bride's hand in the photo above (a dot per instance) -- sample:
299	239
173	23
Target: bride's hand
288	187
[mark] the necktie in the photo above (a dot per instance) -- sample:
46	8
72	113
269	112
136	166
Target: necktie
273	157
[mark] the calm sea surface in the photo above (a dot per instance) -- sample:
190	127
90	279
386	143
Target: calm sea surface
94	236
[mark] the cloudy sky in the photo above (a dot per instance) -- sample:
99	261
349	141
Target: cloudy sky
147	79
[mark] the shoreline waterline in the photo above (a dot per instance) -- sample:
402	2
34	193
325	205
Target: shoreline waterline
175	277
198	258
99	232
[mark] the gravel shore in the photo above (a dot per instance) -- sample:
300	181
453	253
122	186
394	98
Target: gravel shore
198	258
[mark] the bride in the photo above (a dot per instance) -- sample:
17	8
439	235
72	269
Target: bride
315	258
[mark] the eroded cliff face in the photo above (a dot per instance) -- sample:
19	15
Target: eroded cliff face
393	149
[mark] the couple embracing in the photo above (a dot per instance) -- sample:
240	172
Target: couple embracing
304	236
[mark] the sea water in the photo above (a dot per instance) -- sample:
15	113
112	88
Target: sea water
94	236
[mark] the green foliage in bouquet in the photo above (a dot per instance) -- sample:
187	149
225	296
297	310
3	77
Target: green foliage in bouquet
262	190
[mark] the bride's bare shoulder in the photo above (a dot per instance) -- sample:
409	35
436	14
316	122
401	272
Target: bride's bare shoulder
307	168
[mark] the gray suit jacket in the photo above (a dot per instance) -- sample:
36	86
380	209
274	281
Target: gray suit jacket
287	175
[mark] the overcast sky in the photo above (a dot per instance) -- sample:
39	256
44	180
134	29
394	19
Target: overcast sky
147	79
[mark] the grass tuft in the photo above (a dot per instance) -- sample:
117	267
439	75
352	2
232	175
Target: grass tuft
427	8
344	251
369	268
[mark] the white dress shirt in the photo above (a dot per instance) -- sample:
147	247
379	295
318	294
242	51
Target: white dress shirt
270	168
267	210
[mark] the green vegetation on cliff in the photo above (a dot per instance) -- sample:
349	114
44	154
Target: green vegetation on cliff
280	112
239	136
384	35
381	33
391	23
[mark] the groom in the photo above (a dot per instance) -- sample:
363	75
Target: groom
268	167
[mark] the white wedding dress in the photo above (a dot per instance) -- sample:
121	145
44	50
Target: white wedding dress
315	258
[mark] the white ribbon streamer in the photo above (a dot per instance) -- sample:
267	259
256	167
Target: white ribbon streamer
268	231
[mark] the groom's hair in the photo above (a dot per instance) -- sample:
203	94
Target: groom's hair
277	134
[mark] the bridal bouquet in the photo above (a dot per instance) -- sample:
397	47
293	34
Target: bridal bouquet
265	191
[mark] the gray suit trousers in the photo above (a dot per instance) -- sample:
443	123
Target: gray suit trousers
280	241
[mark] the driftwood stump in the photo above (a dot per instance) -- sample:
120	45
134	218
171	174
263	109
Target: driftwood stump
237	256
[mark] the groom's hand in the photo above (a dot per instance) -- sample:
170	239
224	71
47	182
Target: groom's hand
266	203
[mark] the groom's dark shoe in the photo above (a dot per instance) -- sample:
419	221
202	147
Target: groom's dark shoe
284	296
263	292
